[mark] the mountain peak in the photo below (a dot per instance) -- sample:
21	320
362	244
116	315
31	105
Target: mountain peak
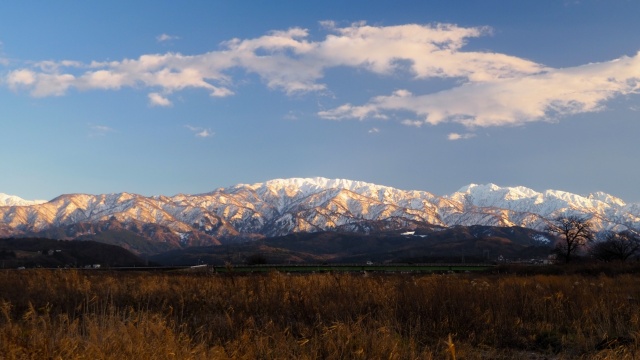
468	189
319	183
307	186
12	200
493	190
606	198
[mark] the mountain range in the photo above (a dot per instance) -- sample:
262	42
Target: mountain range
285	206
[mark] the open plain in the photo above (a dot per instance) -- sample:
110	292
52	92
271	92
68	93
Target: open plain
75	314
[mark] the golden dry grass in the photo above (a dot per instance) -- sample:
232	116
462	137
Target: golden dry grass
68	314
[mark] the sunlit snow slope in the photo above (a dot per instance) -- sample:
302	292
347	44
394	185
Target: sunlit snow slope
283	206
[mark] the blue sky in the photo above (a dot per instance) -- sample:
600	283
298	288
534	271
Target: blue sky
164	97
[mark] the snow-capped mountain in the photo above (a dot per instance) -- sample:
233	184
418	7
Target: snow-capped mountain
10	200
283	206
525	207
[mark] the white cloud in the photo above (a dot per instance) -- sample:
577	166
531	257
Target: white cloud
456	136
41	84
431	50
169	72
103	79
166	37
543	96
20	78
156	99
491	89
374	130
288	61
200	132
414	123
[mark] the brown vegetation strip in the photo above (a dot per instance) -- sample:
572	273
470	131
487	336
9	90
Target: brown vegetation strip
67	314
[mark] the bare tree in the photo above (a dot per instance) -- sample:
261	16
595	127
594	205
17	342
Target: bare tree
574	233
616	246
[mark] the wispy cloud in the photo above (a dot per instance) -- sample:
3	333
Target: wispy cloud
156	99
292	115
166	37
374	130
456	136
543	96
200	132
96	130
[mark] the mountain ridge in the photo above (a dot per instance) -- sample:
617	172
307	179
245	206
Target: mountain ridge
283	206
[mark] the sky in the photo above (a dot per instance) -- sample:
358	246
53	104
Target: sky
166	97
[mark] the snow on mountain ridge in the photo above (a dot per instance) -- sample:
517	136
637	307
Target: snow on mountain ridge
485	195
606	198
12	200
308	186
281	206
608	211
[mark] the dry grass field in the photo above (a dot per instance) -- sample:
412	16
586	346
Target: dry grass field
70	314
